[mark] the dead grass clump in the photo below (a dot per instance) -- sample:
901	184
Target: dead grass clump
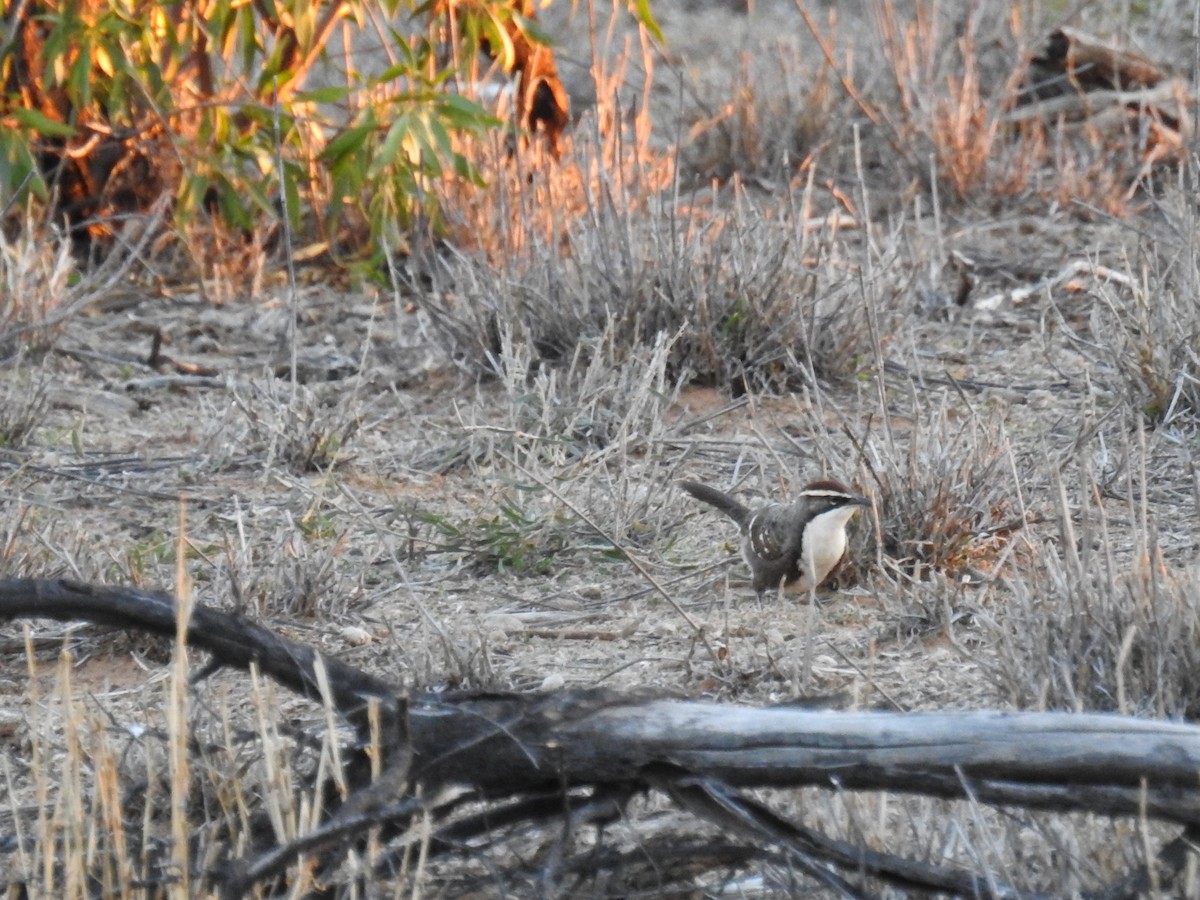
23	401
775	114
302	429
37	273
1149	333
746	306
605	396
1095	626
1150	339
533	198
946	497
565	258
568	439
42	287
227	265
944	94
959	91
118	807
301	578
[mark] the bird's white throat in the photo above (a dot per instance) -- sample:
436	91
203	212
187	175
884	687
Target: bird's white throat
824	540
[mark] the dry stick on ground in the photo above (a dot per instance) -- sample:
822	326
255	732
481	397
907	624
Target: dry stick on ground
517	745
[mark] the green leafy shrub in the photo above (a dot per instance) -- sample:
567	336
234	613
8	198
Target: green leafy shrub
108	105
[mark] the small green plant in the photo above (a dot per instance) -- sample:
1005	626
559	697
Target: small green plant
318	526
511	539
146	560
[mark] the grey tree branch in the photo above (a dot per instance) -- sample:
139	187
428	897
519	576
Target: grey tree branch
513	745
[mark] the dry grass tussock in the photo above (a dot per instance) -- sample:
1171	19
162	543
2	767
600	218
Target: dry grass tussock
956	105
530	200
1151	357
761	120
748	301
122	807
484	497
1104	616
42	285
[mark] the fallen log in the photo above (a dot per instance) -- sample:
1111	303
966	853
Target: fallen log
540	748
1066	761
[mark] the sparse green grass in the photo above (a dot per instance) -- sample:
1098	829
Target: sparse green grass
510	540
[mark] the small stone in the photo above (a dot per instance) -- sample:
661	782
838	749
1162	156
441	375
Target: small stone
356	636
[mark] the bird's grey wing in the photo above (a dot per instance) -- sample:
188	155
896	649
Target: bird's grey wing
771	534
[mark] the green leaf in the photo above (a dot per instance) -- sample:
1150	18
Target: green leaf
497	35
424	8
411	59
643	15
441	137
220	20
247	38
54	48
304	15
390	148
465	115
401	69
16	165
532	29
429	156
191	195
80	81
331	94
42	124
233	210
464	170
349	141
291	194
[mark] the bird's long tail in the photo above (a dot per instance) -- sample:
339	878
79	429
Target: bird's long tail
719	499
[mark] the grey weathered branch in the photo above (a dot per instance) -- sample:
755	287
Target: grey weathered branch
1101	763
539	745
505	743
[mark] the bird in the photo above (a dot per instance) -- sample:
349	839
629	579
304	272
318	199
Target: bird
797	544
